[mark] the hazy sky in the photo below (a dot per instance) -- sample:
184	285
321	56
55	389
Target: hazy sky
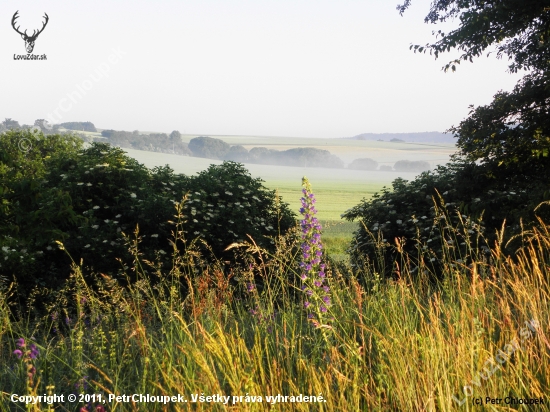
308	68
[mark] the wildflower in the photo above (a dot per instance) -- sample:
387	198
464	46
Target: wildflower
18	353
95	207
313	271
133	195
34	351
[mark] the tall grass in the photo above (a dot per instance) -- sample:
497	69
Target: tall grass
204	328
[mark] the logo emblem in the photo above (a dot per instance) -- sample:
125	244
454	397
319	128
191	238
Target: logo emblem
29	40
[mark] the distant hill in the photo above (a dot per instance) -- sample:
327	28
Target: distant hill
422	137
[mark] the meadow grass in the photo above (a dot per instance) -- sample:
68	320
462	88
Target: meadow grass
204	328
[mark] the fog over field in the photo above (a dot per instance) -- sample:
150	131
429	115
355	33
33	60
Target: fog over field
337	189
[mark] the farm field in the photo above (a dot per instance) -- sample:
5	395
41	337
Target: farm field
337	189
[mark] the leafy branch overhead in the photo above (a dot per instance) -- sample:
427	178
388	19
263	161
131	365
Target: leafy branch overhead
518	30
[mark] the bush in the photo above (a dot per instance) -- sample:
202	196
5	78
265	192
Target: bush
225	205
363	164
421	217
208	147
411	166
88	198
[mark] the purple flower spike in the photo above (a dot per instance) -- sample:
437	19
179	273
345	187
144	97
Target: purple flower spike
34	351
313	274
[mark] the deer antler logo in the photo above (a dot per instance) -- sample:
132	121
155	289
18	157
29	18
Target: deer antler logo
29	40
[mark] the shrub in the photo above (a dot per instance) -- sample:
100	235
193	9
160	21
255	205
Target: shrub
444	211
208	147
87	199
363	164
411	166
225	205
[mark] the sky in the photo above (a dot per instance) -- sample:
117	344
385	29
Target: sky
296	68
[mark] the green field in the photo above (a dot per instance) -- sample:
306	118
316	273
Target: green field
336	189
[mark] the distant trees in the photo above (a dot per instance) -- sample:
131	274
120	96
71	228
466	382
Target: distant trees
411	166
204	146
79	126
154	142
363	164
237	153
297	157
10	124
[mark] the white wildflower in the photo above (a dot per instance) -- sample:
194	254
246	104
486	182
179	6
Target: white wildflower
133	195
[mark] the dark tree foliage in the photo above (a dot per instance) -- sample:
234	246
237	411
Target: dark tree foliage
502	171
228	205
52	190
512	134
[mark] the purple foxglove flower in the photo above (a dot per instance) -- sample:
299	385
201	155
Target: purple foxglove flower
326	299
